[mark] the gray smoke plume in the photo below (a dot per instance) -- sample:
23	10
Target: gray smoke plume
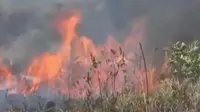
27	27
167	20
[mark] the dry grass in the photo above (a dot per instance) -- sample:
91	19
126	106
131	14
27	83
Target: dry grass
170	96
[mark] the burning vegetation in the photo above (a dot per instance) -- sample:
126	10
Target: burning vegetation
113	77
101	63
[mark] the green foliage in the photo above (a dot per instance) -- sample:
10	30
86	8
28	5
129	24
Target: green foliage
185	60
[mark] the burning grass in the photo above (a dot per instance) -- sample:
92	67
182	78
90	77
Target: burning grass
83	76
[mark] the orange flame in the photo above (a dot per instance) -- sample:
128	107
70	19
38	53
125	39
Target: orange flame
48	66
5	75
54	69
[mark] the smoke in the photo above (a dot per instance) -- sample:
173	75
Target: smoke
27	27
167	20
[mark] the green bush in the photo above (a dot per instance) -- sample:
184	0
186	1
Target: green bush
185	60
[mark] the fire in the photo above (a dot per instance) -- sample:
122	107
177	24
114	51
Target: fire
5	74
99	65
48	66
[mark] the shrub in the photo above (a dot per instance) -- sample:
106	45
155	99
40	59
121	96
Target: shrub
185	60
